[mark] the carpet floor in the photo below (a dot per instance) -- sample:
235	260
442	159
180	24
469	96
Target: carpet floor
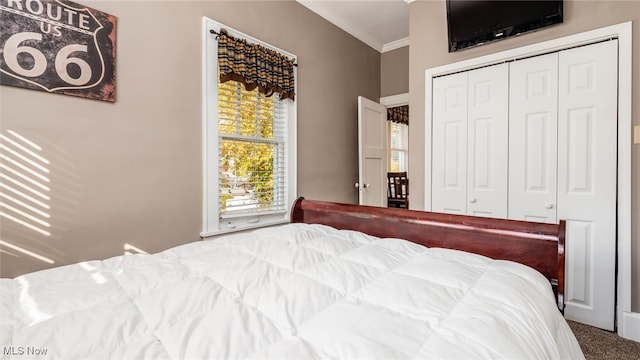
600	344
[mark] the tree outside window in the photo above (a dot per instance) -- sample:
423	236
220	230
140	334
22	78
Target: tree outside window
251	145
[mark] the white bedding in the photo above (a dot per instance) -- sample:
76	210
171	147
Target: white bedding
290	292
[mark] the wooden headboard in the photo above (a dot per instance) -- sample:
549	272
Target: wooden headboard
538	245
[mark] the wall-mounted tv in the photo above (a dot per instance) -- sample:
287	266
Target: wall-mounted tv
475	22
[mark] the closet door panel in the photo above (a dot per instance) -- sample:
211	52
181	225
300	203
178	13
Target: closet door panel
533	122
587	145
449	177
487	157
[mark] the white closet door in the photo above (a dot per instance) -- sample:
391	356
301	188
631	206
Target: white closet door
487	159
587	125
533	139
449	181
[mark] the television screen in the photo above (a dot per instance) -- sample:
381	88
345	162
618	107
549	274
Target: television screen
475	22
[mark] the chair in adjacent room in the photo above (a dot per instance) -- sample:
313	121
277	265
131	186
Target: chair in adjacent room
398	190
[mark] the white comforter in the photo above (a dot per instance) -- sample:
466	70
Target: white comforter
291	292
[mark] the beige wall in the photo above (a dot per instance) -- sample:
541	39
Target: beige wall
131	172
394	67
428	33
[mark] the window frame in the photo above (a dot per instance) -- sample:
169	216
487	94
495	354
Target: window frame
212	224
389	102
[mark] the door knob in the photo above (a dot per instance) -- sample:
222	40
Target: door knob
357	185
473	201
549	206
365	186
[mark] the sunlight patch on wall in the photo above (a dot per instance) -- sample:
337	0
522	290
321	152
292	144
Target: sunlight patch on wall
24	188
131	250
27	252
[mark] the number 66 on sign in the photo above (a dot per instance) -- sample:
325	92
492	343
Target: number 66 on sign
58	46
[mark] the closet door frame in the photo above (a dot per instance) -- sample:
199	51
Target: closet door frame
628	322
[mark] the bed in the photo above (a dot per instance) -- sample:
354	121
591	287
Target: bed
340	281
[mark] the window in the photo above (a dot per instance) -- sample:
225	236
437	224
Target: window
248	148
398	146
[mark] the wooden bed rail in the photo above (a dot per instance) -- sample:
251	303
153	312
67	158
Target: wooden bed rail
538	245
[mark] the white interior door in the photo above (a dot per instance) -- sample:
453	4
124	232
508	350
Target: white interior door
587	143
449	175
533	139
488	136
372	153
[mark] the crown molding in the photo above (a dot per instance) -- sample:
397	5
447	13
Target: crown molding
316	7
395	45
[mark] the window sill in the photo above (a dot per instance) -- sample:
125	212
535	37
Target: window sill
239	228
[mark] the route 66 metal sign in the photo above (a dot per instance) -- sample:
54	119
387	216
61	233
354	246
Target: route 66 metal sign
58	46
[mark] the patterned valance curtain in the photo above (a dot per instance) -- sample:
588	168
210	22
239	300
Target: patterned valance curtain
255	66
398	114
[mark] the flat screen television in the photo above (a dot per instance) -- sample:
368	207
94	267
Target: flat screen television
476	22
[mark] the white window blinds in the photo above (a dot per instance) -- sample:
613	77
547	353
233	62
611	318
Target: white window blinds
399	146
251	151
